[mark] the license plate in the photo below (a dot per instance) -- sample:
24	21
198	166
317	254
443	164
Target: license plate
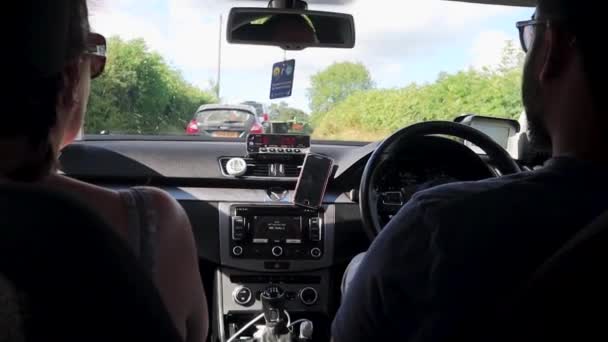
222	134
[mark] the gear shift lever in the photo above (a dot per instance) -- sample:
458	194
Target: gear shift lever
273	305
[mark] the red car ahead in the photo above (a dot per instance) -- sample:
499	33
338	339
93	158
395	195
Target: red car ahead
224	121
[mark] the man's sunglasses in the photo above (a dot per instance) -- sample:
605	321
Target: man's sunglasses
96	49
527	31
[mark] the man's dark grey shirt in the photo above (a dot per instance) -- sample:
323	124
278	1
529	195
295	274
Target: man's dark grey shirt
456	252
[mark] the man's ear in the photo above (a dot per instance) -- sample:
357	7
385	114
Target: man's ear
558	53
68	96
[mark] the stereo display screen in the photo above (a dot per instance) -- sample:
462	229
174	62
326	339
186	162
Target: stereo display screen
267	229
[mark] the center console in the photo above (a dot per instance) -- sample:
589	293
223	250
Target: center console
273	246
274	279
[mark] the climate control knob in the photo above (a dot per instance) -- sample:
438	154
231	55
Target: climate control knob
308	296
242	296
316	252
277	251
237	251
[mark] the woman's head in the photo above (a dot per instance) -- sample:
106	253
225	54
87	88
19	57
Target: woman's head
55	53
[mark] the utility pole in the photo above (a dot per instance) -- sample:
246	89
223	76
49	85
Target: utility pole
219	61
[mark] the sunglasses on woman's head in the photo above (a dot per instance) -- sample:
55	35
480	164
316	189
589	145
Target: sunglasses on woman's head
96	49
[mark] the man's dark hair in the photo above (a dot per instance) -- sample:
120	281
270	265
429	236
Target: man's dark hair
583	18
42	41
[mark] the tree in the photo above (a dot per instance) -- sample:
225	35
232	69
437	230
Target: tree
337	82
139	93
512	57
374	114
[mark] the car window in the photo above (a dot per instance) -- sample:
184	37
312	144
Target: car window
218	117
413	61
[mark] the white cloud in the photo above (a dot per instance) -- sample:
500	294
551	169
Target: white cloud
488	47
114	20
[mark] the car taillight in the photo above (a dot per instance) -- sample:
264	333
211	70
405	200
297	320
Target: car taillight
257	129
192	127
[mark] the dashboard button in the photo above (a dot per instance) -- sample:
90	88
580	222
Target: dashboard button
289	150
272	150
277	251
280	150
297	150
308	296
242	295
237	251
315	252
238	228
315	226
276	265
263	150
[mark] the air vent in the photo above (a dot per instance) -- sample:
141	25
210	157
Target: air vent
266	169
257	169
293	171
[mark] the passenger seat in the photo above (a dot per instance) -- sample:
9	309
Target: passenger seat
66	276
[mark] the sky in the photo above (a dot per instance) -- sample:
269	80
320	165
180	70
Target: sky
399	41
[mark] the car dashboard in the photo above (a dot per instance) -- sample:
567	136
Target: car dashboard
238	261
236	265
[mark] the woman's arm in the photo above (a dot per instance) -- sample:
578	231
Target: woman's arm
178	275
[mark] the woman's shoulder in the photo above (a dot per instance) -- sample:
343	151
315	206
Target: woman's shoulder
98	198
110	203
169	212
76	187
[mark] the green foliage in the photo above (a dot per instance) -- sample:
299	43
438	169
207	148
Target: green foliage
139	93
334	84
297	118
374	114
282	112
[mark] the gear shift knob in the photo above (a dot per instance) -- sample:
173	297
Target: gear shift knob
273	305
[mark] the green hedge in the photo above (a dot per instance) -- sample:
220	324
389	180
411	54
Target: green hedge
374	114
140	93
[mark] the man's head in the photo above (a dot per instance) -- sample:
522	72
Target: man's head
560	83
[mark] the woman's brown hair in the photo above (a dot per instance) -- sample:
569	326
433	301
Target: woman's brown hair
31	98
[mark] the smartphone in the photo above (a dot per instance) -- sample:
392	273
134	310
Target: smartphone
313	181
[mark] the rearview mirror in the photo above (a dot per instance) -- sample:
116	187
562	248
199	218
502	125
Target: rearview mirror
290	29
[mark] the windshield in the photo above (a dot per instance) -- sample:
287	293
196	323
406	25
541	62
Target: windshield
414	61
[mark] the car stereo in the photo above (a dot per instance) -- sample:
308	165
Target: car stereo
283	144
288	233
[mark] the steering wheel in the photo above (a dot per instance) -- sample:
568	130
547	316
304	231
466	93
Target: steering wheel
368	197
